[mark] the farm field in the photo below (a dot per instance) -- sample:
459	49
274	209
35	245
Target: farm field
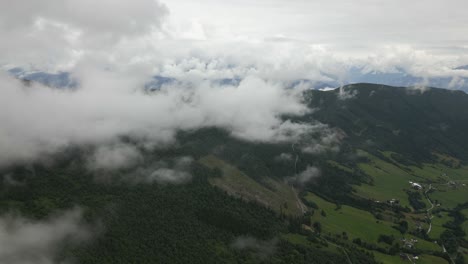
465	224
450	198
423	259
357	223
437	223
391	180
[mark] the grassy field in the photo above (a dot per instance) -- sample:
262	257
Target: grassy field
336	164
423	259
302	240
449	197
437	223
465	224
278	196
390	180
357	223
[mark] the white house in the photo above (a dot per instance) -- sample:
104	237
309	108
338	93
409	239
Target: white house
416	185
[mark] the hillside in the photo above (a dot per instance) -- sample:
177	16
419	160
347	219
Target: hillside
406	121
339	194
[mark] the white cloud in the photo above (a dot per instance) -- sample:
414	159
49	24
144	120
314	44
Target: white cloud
212	39
55	33
199	44
305	176
39	120
284	157
263	248
26	241
349	25
114	156
321	139
176	173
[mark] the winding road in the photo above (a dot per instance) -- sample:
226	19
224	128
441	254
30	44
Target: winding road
298	200
428	211
304	208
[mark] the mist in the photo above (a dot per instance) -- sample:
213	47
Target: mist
24	240
41	120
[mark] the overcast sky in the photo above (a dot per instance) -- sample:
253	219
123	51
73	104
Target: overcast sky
347	24
57	34
114	47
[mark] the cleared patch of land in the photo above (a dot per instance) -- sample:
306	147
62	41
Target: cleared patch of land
273	194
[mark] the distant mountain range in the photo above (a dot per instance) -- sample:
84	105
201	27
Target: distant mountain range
402	78
355	75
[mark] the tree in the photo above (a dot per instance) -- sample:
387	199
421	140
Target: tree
318	227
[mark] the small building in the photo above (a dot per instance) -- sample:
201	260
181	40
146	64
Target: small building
415	185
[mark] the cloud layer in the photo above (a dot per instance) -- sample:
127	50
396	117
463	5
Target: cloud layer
25	241
38	120
114	49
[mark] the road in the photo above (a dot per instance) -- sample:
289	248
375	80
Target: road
298	200
428	211
303	207
445	251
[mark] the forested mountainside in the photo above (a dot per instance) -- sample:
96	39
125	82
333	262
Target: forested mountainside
380	180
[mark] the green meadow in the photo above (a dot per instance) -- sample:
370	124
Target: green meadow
357	223
391	180
449	197
465	224
437	223
423	259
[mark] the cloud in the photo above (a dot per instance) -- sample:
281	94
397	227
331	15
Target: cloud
25	241
284	157
9	180
113	49
321	139
176	173
350	25
114	156
263	248
38	120
55	31
305	176
307	40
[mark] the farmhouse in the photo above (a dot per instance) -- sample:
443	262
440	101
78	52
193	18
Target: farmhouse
416	185
393	201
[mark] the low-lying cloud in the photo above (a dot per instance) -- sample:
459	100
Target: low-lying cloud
321	138
263	248
24	241
114	156
38	120
305	176
178	173
168	171
284	157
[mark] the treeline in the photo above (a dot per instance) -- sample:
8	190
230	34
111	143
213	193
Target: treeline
150	223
